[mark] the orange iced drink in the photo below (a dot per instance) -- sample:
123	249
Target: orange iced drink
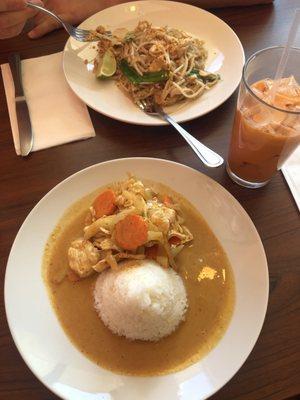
265	132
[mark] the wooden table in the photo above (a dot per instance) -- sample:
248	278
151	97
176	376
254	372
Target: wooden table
272	371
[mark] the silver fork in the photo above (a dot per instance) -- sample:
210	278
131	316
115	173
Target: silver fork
206	155
82	35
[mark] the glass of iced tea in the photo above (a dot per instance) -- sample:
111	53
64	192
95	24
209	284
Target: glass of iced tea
266	128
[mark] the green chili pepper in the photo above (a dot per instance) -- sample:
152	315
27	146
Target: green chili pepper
150	77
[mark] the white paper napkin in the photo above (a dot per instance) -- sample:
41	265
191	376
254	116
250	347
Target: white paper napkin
291	172
57	115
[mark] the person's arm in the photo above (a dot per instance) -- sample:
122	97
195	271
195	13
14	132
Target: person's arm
14	13
13	16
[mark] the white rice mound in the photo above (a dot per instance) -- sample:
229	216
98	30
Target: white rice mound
145	302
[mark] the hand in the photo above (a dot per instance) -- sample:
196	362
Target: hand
13	16
72	11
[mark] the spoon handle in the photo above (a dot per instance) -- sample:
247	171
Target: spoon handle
207	156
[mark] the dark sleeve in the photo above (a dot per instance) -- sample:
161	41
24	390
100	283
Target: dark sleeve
224	3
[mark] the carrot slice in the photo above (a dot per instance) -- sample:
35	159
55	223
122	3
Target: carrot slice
131	232
174	240
151	252
105	203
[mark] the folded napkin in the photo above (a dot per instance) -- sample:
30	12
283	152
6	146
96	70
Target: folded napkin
57	115
291	172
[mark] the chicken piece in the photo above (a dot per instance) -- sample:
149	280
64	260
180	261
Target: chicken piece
162	217
157	65
82	256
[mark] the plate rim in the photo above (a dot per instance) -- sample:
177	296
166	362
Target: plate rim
156	121
166	161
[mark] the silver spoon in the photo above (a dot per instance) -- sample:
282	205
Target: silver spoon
82	35
206	155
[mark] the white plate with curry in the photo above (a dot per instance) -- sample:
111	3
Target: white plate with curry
225	56
221	265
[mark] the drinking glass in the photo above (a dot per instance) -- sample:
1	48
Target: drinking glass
264	135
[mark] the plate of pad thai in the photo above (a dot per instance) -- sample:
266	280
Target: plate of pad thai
178	56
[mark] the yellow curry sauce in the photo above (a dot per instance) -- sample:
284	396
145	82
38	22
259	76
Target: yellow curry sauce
208	279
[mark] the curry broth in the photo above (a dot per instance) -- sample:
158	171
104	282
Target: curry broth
208	279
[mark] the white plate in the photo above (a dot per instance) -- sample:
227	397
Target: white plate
47	350
226	56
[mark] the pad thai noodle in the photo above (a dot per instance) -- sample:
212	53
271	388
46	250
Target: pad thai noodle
157	64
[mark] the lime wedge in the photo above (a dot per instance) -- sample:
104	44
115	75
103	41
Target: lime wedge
107	66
